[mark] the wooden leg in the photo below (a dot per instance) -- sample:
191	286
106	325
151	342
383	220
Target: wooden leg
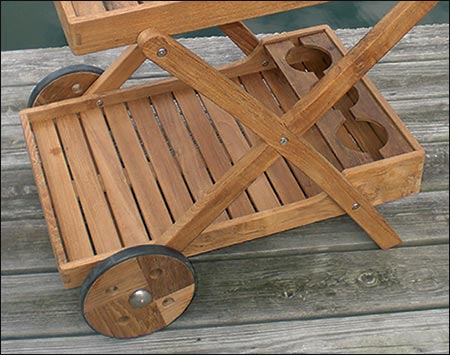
282	133
241	35
119	71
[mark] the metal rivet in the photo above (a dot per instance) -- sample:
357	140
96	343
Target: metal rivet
99	103
355	206
284	141
265	63
140	298
76	88
162	52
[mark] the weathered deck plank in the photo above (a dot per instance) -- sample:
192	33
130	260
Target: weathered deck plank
317	288
273	288
408	333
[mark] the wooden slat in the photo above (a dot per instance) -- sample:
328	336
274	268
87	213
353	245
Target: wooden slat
86	8
164	164
149	197
288	99
123	205
93	201
189	159
260	191
70	219
241	35
280	175
213	151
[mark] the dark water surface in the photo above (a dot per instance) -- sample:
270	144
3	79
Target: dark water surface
34	24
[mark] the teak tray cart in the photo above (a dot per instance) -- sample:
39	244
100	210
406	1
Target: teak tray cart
133	181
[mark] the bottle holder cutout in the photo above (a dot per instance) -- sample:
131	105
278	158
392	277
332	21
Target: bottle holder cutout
357	129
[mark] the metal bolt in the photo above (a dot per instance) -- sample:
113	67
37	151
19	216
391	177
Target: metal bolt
284	141
356	206
162	52
140	298
265	63
76	88
99	103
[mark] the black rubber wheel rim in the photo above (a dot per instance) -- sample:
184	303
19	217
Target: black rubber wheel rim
71	69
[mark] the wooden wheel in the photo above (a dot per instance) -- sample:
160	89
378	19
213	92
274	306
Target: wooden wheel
137	291
65	83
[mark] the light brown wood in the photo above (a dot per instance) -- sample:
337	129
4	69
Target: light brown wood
86	8
118	72
65	202
352	67
332	120
123	205
260	191
62	88
241	35
214	153
103	30
381	181
191	164
92	198
108	310
280	175
247	65
366	106
150	201
44	194
172	184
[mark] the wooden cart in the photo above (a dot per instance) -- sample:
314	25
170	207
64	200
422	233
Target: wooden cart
133	181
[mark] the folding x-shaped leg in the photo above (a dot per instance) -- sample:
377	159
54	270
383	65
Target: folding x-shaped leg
281	136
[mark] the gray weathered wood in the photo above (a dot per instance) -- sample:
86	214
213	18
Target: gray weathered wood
421	219
234	291
20	67
408	333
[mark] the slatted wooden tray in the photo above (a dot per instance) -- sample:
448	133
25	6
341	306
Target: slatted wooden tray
97	25
117	170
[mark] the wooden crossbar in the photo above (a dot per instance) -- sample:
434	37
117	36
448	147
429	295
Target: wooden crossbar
281	134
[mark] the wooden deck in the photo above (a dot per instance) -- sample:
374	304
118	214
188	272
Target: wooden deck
323	288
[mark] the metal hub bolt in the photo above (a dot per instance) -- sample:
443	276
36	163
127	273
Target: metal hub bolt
356	206
77	88
162	52
140	298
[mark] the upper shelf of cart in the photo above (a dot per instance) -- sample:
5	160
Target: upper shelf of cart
92	26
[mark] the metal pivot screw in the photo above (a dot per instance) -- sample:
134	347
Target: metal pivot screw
356	206
265	63
99	103
284	141
140	298
162	52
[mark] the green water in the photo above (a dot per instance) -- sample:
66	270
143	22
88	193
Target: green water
34	24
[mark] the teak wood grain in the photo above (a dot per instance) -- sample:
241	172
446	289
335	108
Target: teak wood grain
98	29
149	198
123	205
92	197
64	198
349	70
172	183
